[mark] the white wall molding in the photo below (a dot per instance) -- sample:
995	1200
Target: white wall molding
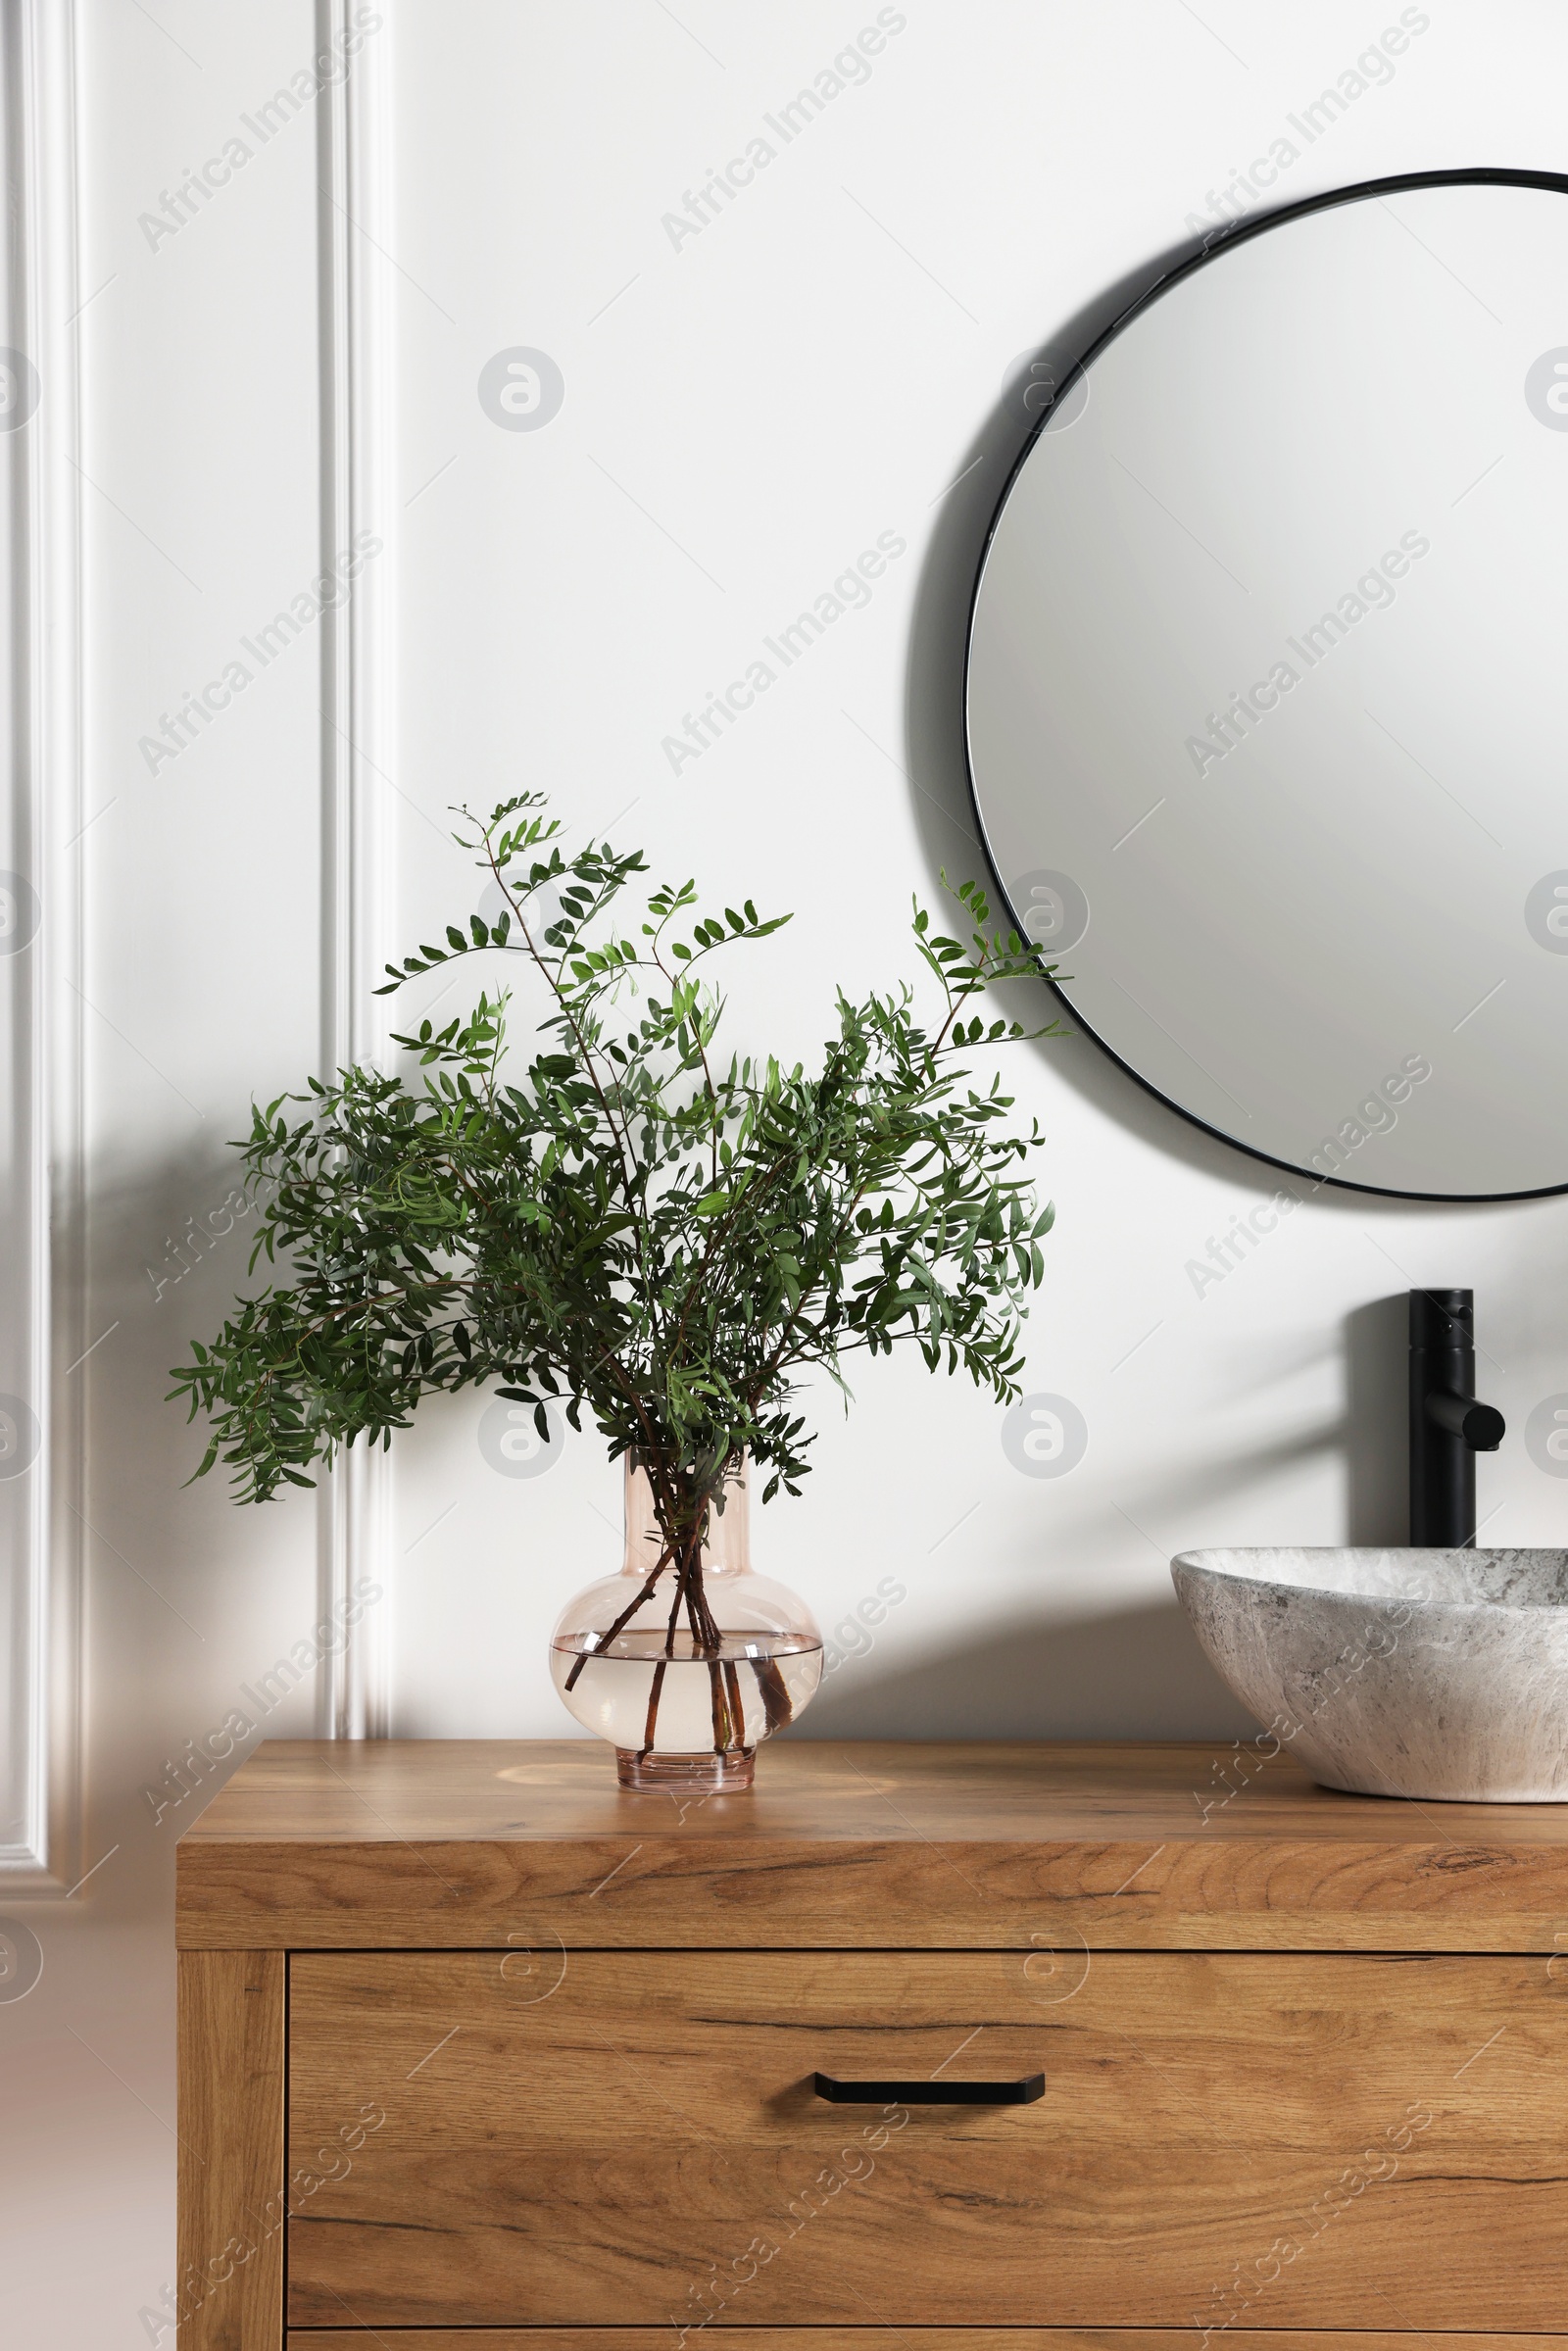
43	1174
358	713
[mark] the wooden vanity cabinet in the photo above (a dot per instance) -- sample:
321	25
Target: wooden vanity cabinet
478	2053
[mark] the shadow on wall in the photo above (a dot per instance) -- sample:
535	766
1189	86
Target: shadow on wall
1377	1434
1138	1672
1044	1681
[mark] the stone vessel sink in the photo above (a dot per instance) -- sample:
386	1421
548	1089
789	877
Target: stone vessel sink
1397	1673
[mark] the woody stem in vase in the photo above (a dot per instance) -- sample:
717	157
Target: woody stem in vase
688	1662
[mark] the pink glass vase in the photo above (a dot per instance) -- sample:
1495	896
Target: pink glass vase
684	1712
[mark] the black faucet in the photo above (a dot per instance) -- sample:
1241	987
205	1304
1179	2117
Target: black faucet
1447	1427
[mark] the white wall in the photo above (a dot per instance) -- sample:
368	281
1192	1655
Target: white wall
743	412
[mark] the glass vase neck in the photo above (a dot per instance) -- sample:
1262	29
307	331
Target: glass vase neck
728	1546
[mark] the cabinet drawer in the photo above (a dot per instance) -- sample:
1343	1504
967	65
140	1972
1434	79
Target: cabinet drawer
633	2139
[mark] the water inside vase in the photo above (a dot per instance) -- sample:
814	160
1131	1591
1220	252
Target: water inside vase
765	1679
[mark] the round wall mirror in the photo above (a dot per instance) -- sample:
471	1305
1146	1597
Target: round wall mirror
1267	688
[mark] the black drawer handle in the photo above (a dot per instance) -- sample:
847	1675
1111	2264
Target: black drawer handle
1023	2092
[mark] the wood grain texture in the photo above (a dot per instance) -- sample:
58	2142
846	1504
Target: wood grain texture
444	1843
594	2138
231	2150
887	2338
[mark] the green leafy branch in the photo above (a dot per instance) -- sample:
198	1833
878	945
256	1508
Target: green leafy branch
629	1224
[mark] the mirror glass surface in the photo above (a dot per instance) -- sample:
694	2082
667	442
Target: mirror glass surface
1267	692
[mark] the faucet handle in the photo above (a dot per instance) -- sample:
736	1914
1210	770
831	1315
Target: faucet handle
1443	1318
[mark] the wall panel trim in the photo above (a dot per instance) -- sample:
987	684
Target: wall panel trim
357	743
45	1219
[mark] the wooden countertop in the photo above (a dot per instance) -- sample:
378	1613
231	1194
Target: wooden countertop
1114	1845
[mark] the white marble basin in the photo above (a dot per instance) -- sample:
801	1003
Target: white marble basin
1397	1673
